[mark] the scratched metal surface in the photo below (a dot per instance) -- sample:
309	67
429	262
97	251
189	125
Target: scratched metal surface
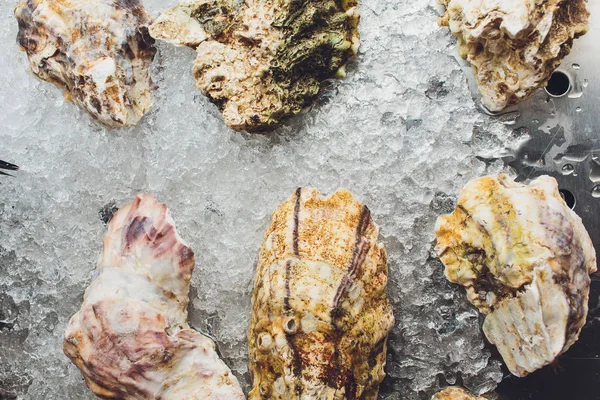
564	142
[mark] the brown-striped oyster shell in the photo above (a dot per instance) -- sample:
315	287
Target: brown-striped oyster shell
99	52
262	61
320	310
524	258
514	46
130	339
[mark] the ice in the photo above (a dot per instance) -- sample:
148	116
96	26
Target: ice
397	132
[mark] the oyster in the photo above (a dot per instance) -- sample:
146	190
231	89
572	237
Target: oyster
524	258
455	393
514	46
261	61
99	52
130	339
320	311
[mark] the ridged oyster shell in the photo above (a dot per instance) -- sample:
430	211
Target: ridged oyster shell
524	258
262	61
130	338
514	46
455	393
320	311
99	52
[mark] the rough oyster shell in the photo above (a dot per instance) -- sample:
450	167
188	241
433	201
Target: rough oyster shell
455	393
320	311
131	339
99	52
514	46
262	61
524	258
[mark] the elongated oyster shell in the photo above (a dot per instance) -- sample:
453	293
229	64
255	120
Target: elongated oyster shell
455	393
262	61
99	52
514	46
524	258
320	311
131	339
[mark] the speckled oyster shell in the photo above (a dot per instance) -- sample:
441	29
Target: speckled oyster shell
262	61
524	258
320	311
99	52
456	393
130	339
514	46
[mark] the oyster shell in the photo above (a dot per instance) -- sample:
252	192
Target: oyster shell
262	61
455	393
524	258
130	339
514	46
320	311
99	52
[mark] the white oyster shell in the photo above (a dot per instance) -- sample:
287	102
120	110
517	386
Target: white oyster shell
130	338
524	258
320	310
514	46
99	52
455	393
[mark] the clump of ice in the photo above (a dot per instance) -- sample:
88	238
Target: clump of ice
397	132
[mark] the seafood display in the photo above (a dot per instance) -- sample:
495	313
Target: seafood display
514	46
98	52
524	258
130	339
262	61
320	310
455	393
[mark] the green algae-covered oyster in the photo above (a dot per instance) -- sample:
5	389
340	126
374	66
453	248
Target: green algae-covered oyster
524	258
98	51
262	61
320	310
514	46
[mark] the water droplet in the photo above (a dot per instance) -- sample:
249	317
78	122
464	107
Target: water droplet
568	169
578	109
585	83
535	121
575	66
596	191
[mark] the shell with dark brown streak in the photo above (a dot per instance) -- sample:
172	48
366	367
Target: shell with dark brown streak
99	52
524	258
320	310
130	339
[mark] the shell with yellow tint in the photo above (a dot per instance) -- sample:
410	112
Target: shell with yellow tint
130	339
514	46
320	310
524	258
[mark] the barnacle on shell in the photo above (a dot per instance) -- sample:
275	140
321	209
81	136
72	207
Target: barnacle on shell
524	258
455	393
98	51
514	46
130	339
320	311
262	61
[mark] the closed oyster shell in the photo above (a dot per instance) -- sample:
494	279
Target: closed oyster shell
320	311
262	61
524	258
455	393
99	52
514	46
130	339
